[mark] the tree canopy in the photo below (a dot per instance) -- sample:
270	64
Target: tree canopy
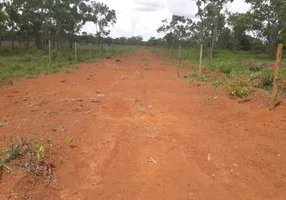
259	29
52	19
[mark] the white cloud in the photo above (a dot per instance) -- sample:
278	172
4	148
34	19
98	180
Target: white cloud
143	17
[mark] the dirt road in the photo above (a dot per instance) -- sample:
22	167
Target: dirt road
153	136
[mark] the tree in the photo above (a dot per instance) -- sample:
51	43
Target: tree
178	28
239	25
211	21
3	22
102	16
69	16
268	21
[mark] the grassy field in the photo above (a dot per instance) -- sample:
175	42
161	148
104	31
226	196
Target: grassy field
30	63
240	69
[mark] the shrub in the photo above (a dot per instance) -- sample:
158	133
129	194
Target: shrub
238	88
224	67
266	78
202	78
218	82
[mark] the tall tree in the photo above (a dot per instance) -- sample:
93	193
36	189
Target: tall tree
177	29
239	24
102	16
211	21
268	20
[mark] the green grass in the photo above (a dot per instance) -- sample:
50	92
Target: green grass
31	63
75	67
257	67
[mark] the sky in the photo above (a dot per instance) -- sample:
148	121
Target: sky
143	17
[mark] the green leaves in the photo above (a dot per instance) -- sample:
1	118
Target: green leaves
178	28
102	16
45	18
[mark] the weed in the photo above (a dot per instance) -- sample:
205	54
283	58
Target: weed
53	71
193	75
6	82
218	82
67	72
191	81
266	78
91	61
48	140
117	60
69	140
238	88
27	155
202	79
40	152
30	76
75	67
2	163
224	67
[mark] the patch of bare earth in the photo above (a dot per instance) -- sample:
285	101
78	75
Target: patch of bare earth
151	136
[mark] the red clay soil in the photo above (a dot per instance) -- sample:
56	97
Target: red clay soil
152	136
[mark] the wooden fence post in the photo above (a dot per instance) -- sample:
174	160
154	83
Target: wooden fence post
100	49
201	60
75	51
50	56
180	49
276	77
89	49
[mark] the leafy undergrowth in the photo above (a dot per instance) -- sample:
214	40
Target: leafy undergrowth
30	156
238	88
256	70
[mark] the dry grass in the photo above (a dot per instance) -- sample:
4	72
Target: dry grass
29	156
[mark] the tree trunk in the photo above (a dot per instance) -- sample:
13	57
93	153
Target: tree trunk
27	43
70	41
12	44
202	30
38	41
214	38
170	51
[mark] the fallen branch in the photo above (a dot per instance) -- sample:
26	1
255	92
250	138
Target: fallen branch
154	161
85	100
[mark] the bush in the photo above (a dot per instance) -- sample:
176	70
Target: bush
218	82
238	88
224	67
267	77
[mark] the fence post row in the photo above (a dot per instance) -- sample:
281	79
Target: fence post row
276	77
